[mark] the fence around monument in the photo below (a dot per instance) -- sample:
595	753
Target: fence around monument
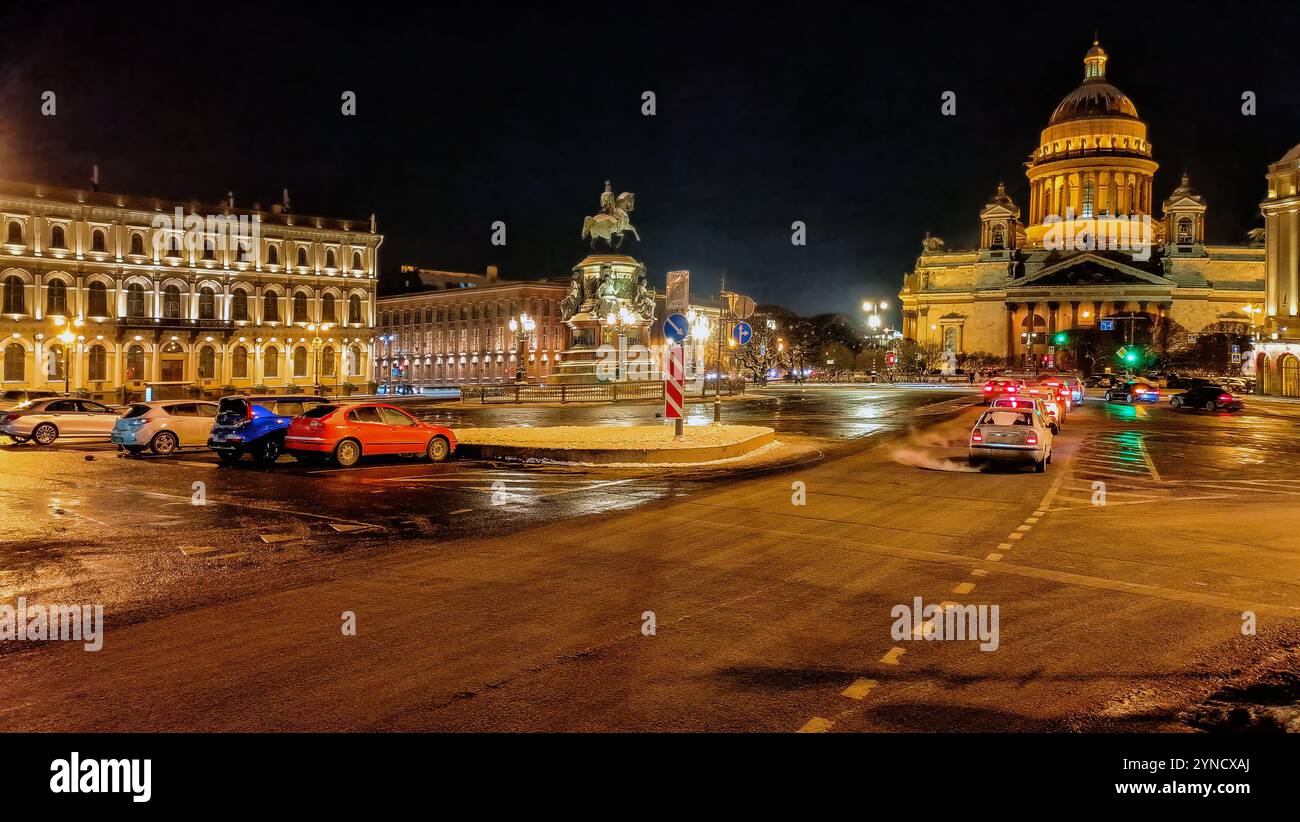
512	393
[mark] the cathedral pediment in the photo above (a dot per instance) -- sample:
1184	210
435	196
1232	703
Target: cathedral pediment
1092	270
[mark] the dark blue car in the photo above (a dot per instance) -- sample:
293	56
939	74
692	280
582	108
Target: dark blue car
256	425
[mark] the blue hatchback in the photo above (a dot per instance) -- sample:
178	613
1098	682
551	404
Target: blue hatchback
256	425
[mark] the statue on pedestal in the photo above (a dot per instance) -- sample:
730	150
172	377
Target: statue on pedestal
612	221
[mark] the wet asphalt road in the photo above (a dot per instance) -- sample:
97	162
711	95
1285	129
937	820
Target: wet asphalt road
769	615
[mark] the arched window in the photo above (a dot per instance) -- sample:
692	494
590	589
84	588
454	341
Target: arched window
354	309
135	300
354	361
1184	230
135	363
239	363
98	364
239	305
173	247
54	362
15	363
1087	199
97	299
207	303
302	256
999	241
327	308
15	298
950	338
172	302
137	244
300	362
209	250
272	255
98	240
1132	204
330	261
270	362
270	307
58	237
207	363
241	252
357	265
327	362
15	235
300	307
56	298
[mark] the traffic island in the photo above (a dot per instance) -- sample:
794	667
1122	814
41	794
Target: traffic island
614	445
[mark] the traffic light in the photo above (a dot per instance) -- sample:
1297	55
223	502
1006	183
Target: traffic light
1131	357
1061	338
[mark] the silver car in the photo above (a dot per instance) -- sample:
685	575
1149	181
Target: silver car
163	426
44	421
15	397
1011	435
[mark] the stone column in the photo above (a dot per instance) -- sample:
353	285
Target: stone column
1011	330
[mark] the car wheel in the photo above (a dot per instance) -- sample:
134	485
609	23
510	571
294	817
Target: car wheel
1056	429
268	451
45	434
1211	405
1040	466
133	449
228	457
347	453
164	442
1176	402
1049	457
438	449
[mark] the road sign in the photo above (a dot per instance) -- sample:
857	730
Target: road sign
1106	325
1236	358
1236	349
742	332
1122	352
673	388
742	307
678	294
676	327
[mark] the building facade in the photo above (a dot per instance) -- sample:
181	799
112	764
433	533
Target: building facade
1093	247
1277	355
457	330
121	297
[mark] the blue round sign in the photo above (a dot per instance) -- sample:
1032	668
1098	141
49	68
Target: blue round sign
742	332
676	327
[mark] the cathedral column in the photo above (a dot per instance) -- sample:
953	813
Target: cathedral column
1293	269
1011	331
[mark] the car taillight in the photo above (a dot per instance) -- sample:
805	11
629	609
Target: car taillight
976	436
315	425
988	388
1032	439
1225	398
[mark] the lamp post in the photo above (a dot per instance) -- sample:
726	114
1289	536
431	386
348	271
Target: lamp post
873	308
521	328
618	325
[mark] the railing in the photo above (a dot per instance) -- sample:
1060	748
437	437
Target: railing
514	393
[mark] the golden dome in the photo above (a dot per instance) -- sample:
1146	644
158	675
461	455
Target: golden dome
1095	97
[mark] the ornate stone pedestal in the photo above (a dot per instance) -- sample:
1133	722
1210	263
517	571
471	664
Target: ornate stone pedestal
606	286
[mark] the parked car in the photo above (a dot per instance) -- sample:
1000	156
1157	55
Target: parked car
1133	391
15	397
44	421
1011	435
347	432
163	426
256	425
1209	397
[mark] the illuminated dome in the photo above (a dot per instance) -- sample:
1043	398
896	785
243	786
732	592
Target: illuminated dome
1094	99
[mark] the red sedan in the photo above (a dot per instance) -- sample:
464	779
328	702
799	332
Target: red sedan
349	431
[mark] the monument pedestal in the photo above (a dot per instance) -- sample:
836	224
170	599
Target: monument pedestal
605	287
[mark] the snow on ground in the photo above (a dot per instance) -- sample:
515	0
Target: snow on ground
611	437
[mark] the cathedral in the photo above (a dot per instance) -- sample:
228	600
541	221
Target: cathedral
1093	254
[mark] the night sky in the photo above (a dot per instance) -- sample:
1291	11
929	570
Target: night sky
766	115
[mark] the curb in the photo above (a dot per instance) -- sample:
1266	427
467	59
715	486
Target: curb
605	456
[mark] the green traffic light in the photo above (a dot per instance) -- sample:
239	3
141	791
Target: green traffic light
1060	338
1131	356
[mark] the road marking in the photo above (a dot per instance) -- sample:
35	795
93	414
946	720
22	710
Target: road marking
892	657
274	538
1004	546
816	725
964	588
859	689
1014	536
994	557
351	527
192	550
979	572
1023	527
1031	520
460	511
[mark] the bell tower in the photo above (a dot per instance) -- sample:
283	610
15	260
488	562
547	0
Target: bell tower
1184	222
1000	230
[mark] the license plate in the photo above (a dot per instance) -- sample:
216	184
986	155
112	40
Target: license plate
218	437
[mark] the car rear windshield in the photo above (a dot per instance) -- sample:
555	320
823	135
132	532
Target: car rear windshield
136	411
1006	418
320	411
232	410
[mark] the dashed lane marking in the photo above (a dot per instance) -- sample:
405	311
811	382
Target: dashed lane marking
893	656
816	725
459	511
994	557
859	689
197	550
978	572
964	588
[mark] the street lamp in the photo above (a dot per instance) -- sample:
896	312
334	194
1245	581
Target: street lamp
872	308
618	323
521	328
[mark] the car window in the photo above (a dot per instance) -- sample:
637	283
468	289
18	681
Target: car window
367	414
178	410
1005	418
319	411
310	404
136	411
94	407
62	406
10	396
394	417
206	409
288	409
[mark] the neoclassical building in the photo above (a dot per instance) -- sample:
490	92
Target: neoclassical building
109	294
1277	355
1093	247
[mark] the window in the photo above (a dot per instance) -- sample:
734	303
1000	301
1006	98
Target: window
354	309
394	417
300	307
300	362
135	300
173	247
97	300
56	298
1087	199
135	363
357	265
54	362
209	250
98	240
239	363
15	235
271	307
302	256
137	244
272	255
239	305
15	362
271	362
241	252
327	362
288	408
367	414
1184	230
330	261
327	309
207	363
207	303
58	237
98	364
172	302
15	301
354	361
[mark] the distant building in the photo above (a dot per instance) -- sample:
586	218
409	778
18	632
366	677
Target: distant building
1277	357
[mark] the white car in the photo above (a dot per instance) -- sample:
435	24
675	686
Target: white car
1011	435
163	426
1037	403
15	397
44	421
